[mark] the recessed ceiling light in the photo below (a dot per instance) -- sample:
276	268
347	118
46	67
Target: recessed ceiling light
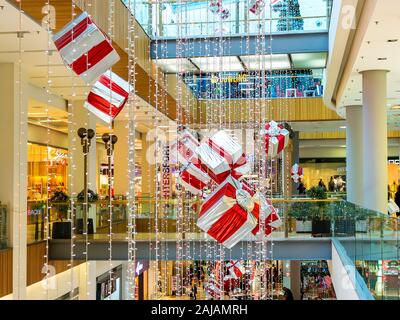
396	107
382	59
393	40
343	127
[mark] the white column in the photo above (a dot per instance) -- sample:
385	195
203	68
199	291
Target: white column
13	168
354	154
375	143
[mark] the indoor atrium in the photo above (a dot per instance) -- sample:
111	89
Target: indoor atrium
199	150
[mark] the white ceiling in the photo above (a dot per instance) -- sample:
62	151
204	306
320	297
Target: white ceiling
384	26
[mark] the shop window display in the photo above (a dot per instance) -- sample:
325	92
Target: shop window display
316	281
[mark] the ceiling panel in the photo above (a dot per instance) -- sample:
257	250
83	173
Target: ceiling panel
175	65
218	64
266	62
313	60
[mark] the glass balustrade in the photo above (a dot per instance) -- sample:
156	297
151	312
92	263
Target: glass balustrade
171	19
370	239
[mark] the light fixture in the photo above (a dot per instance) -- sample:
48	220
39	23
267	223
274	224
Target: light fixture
310	60
218	64
396	107
267	62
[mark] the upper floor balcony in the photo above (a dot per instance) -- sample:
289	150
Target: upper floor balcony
187	19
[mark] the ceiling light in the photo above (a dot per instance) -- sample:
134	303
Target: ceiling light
175	65
393	40
343	127
267	62
218	64
311	60
396	107
382	59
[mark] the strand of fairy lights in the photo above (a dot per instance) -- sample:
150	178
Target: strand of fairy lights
72	167
180	195
131	196
48	179
111	6
158	171
18	208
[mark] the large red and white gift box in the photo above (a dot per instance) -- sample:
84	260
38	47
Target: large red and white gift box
297	173
183	150
226	215
194	179
108	96
266	211
221	156
235	268
85	48
213	288
276	138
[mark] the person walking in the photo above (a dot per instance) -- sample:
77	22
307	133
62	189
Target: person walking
331	185
321	184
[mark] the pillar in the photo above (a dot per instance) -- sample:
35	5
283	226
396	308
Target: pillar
121	181
354	154
79	117
375	142
13	168
295	279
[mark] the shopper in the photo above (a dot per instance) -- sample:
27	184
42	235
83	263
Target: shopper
331	185
288	294
397	199
321	184
301	188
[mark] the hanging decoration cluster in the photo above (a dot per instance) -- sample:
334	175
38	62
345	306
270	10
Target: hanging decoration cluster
89	53
214	169
297	173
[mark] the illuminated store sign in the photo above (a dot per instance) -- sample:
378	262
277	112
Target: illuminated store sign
230	79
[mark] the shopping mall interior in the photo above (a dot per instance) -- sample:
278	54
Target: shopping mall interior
126	124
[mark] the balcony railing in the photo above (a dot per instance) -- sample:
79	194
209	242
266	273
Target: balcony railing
184	19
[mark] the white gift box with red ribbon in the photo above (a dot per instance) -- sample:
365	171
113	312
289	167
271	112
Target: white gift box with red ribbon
85	48
297	173
213	288
221	156
276	138
235	268
108	96
226	215
266	211
183	150
193	179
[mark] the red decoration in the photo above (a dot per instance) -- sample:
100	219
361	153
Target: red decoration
276	138
85	48
108	96
226	215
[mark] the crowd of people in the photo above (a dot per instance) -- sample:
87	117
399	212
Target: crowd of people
335	184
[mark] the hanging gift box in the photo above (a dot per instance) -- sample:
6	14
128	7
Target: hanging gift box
226	214
276	138
193	179
183	150
85	48
263	209
235	268
297	173
213	289
221	156
108	96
